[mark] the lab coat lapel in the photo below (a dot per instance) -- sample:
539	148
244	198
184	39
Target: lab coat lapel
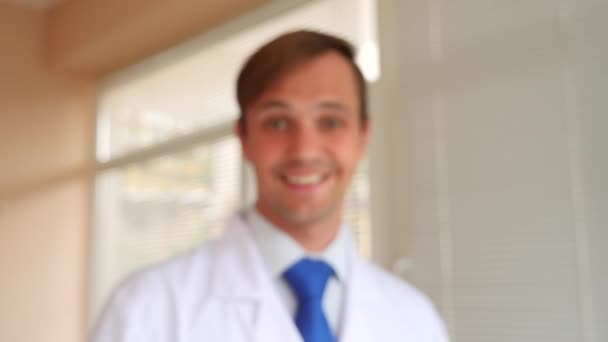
361	298
242	281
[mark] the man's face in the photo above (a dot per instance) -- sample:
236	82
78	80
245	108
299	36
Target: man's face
304	138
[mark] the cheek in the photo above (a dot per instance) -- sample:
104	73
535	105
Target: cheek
349	150
263	154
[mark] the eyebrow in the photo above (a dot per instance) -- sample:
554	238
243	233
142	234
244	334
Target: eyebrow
271	104
281	105
333	105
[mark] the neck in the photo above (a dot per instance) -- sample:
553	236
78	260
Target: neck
313	235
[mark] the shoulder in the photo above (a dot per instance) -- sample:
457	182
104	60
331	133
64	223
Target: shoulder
407	305
190	272
156	294
173	277
393	286
175	273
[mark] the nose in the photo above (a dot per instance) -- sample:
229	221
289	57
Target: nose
305	143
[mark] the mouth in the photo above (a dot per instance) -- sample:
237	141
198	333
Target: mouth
309	181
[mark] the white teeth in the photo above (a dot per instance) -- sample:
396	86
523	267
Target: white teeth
304	180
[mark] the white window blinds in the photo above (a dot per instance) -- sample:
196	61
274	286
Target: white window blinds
501	104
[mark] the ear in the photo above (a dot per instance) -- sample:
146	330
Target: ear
365	133
240	132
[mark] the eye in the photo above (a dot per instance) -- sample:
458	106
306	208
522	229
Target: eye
331	123
276	124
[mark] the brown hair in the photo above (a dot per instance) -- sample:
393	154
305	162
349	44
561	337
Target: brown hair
284	52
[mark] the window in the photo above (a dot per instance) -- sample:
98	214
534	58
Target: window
169	168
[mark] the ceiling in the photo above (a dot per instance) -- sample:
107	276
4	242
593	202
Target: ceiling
32	4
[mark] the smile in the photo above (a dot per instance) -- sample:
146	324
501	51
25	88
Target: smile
308	180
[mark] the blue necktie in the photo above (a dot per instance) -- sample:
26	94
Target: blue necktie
307	279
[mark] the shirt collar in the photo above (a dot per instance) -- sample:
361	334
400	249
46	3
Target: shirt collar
279	251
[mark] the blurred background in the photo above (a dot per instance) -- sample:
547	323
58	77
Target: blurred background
483	186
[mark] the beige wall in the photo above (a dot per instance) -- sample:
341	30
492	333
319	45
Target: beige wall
45	144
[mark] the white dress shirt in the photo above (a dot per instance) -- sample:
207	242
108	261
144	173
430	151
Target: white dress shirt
279	252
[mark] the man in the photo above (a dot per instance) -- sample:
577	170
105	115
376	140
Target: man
287	269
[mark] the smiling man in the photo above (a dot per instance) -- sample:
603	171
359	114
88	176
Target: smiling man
304	136
286	269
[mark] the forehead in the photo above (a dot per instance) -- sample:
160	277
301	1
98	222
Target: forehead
328	76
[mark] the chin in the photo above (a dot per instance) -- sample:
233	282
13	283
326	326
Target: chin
307	216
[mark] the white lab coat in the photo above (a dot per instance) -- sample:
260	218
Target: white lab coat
221	292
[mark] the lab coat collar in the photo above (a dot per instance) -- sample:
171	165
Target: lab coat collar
243	281
280	251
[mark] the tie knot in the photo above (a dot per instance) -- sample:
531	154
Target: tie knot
308	278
